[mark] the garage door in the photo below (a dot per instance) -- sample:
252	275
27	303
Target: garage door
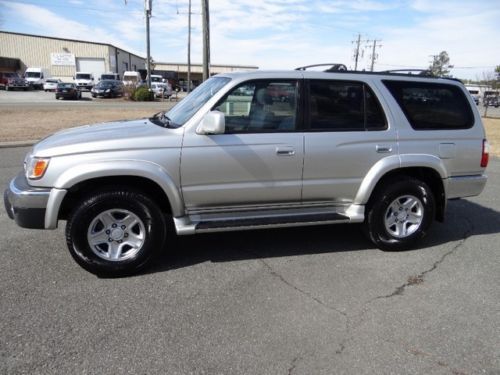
90	65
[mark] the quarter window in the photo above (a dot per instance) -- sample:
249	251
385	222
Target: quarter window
261	106
432	106
343	106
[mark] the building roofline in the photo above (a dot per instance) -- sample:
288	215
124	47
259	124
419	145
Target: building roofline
212	65
71	40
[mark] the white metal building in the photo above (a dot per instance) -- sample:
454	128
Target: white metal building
64	57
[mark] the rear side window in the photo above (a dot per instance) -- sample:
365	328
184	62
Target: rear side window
432	106
343	106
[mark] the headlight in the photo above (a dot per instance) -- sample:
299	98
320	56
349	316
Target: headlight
36	167
108	90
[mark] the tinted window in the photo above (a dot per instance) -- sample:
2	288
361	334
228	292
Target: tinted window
261	106
343	106
432	106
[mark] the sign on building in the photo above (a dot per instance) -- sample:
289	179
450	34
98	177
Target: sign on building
57	58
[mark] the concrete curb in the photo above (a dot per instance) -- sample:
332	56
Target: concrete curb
18	144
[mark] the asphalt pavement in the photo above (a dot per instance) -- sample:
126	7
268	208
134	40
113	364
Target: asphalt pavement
316	300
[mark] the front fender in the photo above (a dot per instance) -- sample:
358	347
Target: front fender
145	169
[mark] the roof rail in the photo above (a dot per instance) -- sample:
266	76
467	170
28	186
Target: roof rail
420	72
334	67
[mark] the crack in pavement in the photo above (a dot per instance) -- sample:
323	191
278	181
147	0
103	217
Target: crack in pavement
353	321
413	280
293	364
274	273
301	291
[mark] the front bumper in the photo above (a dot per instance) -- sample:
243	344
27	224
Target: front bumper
26	204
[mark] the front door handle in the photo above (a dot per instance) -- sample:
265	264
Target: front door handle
285	151
383	149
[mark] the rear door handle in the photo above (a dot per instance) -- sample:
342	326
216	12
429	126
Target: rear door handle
285	151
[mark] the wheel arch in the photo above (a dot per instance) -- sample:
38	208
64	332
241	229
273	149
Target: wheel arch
425	174
143	176
79	190
427	168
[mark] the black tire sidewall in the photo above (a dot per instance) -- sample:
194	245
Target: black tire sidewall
88	209
385	196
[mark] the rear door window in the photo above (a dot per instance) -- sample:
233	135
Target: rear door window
432	106
343	106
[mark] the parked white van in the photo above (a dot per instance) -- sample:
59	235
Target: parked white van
131	78
84	80
36	76
114	76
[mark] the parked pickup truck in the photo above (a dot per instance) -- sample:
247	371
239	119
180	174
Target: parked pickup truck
383	149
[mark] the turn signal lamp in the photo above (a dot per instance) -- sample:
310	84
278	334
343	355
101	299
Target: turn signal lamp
36	168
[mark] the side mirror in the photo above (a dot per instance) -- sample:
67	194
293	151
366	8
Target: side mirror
213	122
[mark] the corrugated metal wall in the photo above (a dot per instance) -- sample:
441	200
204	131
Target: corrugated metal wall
34	51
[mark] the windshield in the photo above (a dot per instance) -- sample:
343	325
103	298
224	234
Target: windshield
105	84
33	74
83	76
107	76
195	100
130	78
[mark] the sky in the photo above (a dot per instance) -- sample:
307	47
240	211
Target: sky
280	34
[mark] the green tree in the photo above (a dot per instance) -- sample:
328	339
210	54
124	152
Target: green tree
440	65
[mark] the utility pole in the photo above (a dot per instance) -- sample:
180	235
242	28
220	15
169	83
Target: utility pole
374	55
356	51
206	38
190	13
189	49
148	5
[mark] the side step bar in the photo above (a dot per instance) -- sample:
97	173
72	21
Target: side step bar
269	221
184	226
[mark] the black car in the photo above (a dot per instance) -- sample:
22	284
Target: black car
491	101
68	91
108	88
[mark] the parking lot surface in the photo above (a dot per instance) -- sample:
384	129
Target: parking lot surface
317	300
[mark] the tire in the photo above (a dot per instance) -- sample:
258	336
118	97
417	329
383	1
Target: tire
115	232
399	214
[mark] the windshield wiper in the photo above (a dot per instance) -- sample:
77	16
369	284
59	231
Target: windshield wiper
162	119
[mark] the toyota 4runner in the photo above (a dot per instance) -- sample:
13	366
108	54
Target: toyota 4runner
259	150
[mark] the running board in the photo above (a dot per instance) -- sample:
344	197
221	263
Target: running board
184	227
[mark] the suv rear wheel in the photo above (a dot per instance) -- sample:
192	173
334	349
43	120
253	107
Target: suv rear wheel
399	214
115	232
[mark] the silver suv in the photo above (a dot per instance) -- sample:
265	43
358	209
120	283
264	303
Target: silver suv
259	150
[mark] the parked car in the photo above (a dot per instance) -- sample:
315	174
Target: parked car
11	80
68	91
161	89
51	84
491	101
341	147
108	88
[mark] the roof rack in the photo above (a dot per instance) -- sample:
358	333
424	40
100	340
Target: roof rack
334	67
341	68
420	72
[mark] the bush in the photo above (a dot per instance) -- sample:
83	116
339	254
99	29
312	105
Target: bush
142	94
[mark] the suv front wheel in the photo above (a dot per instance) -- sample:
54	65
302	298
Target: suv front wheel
115	232
399	214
